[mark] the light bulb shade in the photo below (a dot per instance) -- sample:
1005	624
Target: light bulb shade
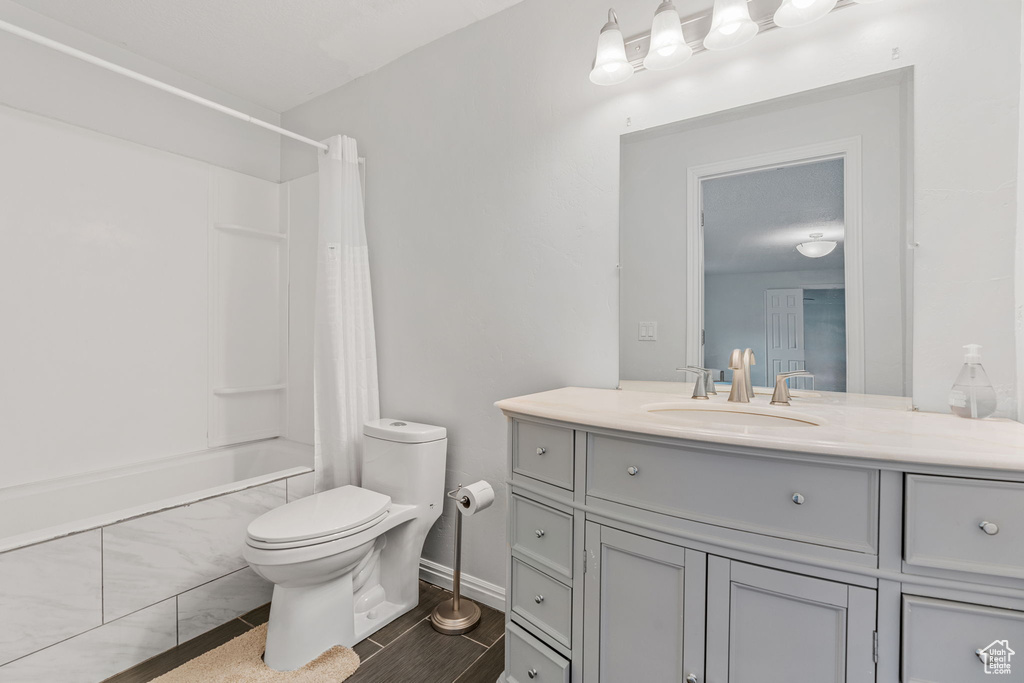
731	25
817	247
668	47
610	64
799	12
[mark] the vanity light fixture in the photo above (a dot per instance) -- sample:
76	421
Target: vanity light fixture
668	47
610	64
731	25
817	247
794	13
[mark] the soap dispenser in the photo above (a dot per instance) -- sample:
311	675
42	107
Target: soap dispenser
972	394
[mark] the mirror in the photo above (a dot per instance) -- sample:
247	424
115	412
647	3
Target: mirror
774	272
779	227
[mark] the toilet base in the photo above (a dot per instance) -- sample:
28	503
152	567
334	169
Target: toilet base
306	621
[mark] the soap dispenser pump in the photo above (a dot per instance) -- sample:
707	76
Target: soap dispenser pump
972	394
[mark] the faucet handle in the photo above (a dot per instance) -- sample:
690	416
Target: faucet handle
700	387
781	396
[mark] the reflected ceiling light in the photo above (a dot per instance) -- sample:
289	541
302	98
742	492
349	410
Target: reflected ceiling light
817	247
731	25
799	12
668	47
610	64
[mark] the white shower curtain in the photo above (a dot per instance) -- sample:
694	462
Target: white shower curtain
344	353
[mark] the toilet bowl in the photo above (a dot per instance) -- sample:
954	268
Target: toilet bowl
345	562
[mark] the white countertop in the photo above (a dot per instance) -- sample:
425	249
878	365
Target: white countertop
860	426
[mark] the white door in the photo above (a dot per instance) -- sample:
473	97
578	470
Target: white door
784	320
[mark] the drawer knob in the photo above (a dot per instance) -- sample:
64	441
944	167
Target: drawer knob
532	673
541	450
798	498
990	528
692	678
540	533
633	471
538	599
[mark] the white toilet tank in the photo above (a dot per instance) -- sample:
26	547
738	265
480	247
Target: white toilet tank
405	460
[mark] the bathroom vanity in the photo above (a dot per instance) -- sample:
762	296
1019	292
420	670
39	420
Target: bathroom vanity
653	538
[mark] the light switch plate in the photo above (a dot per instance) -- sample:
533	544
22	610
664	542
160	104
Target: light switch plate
648	331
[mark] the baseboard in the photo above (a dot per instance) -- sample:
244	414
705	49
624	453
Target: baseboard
472	587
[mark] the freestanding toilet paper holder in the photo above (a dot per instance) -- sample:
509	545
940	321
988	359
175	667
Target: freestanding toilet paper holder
456	616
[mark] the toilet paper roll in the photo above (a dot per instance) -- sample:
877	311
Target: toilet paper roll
479	496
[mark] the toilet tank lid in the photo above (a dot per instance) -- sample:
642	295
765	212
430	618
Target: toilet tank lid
401	431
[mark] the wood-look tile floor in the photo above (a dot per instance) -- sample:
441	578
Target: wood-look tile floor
405	651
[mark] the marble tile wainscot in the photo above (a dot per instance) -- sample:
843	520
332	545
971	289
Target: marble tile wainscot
85	606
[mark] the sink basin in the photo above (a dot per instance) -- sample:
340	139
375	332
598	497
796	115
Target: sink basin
730	416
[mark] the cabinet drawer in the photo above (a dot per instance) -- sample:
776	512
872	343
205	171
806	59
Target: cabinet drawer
530	661
543	452
823	504
947	520
941	642
542	601
543	534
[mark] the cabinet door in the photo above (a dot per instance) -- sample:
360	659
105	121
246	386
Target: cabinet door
768	626
644	609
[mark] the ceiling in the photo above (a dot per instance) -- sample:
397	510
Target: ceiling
753	221
272	53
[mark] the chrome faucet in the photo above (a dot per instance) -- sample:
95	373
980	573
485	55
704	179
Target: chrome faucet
739	363
704	385
781	396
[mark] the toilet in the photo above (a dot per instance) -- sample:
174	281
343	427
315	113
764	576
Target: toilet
345	562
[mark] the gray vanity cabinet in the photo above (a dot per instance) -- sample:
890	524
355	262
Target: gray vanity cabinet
637	558
770	626
644	609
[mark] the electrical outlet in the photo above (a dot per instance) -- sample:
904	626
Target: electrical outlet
648	332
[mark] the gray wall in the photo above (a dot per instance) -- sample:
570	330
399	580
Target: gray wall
492	200
735	315
653	223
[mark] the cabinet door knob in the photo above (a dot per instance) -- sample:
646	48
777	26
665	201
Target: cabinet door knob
532	673
990	528
798	498
538	599
541	450
633	471
540	533
692	678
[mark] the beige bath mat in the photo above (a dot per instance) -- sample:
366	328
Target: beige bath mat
241	661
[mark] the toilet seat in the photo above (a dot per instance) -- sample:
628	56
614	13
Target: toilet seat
320	518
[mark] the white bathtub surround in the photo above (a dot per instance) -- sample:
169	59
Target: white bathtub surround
855	428
101	652
300	486
219	601
345	352
32	513
166	557
50	591
140	567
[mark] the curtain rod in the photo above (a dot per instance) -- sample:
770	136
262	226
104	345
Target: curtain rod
159	85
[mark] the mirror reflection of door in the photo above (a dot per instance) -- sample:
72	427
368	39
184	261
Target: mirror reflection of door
774	271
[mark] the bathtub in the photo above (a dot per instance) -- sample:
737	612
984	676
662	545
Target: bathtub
102	571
